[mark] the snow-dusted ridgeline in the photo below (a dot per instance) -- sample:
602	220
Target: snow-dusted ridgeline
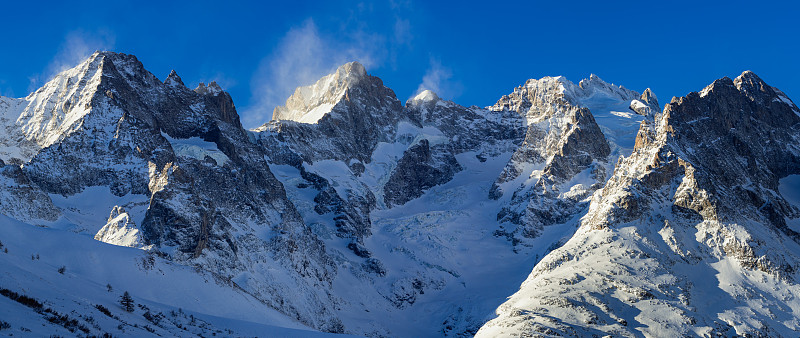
353	212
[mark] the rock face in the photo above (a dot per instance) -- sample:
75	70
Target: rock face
419	169
574	135
22	199
343	116
120	230
689	236
467	129
200	191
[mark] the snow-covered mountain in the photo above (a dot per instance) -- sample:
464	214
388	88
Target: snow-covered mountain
693	235
352	212
574	136
179	169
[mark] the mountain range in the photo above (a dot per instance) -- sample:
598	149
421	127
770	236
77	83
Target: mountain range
564	209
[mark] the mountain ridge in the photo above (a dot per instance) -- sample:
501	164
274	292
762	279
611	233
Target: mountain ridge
672	218
378	209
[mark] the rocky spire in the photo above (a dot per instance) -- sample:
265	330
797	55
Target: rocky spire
173	80
649	97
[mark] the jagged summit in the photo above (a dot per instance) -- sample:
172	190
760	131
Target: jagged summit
616	109
649	97
352	69
752	85
724	82
173	80
594	85
309	104
591	93
749	75
58	107
212	89
353	110
106	86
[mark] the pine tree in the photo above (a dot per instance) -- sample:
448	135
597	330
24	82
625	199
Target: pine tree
127	302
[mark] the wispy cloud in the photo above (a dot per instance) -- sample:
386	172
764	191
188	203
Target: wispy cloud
438	79
303	56
77	46
402	31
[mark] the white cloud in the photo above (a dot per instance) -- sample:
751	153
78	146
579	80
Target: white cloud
372	33
302	57
77	46
438	79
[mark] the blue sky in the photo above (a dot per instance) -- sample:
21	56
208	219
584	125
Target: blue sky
470	52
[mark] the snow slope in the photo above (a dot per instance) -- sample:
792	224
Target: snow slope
438	254
182	300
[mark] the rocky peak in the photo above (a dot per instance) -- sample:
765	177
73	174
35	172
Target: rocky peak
594	81
420	106
352	71
309	104
724	82
646	105
535	96
749	80
540	98
425	96
173	80
60	106
761	93
594	85
342	116
212	89
649	97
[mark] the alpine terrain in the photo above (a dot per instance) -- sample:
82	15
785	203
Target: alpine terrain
134	206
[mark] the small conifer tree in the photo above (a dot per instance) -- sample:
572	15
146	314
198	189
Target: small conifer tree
127	302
